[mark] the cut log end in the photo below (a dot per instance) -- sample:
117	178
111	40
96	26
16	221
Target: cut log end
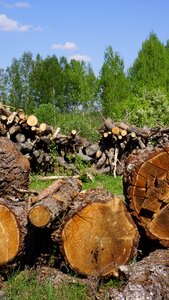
148	192
39	216
99	239
9	235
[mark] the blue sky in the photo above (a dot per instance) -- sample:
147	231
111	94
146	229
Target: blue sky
80	29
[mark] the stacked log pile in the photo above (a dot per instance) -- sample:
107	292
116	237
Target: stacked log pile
46	147
96	234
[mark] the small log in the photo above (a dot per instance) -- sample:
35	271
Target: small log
115	130
73	133
13	129
53	201
45	128
101	161
32	120
146	187
20	138
11	118
98	235
21	114
83	156
56	132
92	149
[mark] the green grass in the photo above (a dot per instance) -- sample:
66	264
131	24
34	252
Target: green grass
113	185
24	286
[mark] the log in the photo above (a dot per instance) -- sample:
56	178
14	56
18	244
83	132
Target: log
146	187
21	114
13	229
32	120
148	279
14	170
45	128
99	234
20	138
92	149
53	201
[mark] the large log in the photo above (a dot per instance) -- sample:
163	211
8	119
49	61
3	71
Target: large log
14	170
148	279
98	234
146	187
13	229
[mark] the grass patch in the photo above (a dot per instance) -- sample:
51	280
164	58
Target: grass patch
24	285
113	185
73	291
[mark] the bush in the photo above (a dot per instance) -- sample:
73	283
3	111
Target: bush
86	124
150	108
46	113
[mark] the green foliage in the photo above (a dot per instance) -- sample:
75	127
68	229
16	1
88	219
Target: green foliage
150	108
85	123
46	113
150	69
113	84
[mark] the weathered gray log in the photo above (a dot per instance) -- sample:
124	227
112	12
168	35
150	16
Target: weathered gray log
148	279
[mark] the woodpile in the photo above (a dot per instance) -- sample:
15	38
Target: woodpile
95	233
47	148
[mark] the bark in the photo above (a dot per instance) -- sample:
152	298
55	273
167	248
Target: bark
148	279
14	170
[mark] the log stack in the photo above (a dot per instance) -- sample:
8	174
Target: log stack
47	148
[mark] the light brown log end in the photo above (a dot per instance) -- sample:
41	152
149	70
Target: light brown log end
32	120
9	235
39	216
99	239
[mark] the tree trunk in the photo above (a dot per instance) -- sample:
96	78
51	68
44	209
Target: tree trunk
146	187
98	235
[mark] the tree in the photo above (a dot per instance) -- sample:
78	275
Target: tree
150	69
47	81
14	84
150	107
113	84
3	87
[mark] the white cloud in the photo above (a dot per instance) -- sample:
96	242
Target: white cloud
80	57
66	46
7	24
18	5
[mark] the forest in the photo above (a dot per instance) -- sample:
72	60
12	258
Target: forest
70	95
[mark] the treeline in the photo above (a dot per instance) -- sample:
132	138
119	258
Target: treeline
55	88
